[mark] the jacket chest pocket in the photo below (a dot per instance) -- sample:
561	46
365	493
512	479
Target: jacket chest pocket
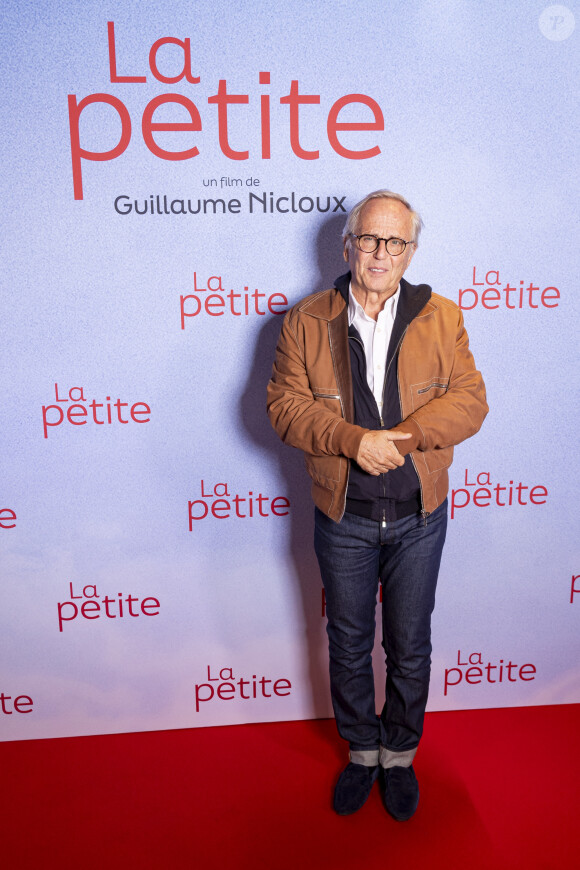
424	391
329	398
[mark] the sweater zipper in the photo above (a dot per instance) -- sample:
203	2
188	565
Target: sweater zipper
382	424
387	370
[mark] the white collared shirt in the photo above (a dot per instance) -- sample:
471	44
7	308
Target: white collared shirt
375	336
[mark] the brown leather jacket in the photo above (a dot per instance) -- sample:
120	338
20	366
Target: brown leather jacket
310	402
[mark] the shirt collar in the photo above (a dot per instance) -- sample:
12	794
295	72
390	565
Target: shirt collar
355	308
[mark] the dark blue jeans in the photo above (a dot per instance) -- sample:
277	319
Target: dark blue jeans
405	556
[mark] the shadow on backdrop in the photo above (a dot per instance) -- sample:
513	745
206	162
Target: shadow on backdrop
298	547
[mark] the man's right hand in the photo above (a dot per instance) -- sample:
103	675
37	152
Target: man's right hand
378	452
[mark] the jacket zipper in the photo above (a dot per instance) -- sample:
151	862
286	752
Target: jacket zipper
424	513
339	397
431	387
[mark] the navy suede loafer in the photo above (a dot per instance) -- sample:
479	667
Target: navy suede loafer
353	788
400	791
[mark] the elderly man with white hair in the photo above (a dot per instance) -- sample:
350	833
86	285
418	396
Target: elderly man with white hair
375	382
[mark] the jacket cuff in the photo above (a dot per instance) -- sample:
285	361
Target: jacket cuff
346	439
415	442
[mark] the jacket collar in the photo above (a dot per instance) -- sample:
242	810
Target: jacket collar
328	305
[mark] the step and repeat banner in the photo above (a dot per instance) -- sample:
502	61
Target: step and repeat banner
175	176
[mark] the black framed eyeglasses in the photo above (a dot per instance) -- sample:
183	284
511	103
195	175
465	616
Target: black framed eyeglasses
368	244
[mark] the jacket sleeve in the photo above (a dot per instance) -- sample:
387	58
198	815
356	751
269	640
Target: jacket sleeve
312	423
458	413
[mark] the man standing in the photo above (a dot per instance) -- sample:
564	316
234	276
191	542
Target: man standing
375	382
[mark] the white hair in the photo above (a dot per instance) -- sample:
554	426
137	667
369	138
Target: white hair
352	221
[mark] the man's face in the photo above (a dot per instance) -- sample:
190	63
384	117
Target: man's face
380	272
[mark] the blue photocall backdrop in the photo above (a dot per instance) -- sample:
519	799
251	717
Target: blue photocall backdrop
175	177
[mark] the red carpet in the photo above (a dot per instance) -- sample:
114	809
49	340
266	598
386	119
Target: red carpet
499	789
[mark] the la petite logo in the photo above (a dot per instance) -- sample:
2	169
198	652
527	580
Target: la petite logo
81	411
89	605
472	670
496	295
256	122
215	300
224	686
480	492
217	501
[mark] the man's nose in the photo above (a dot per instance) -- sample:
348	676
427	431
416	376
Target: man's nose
381	250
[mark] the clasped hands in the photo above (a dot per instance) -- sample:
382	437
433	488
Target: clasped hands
377	452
